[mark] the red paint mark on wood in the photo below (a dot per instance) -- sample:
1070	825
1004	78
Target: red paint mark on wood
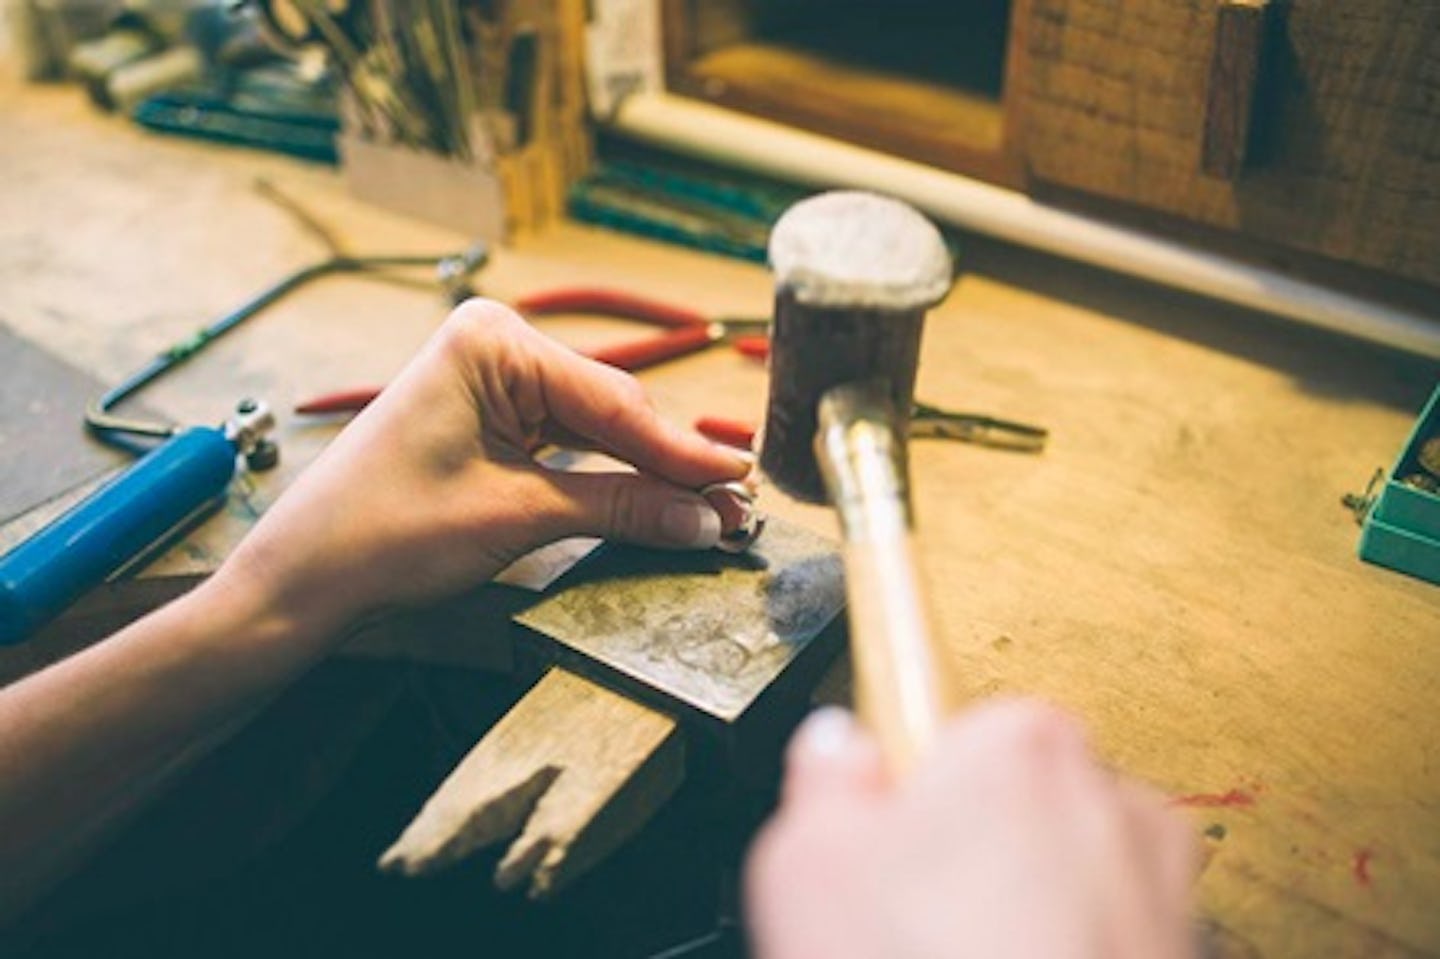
1361	866
1231	799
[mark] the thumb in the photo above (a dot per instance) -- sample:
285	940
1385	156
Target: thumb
831	756
637	509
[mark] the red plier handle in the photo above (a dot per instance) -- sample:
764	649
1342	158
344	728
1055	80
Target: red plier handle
608	302
345	401
719	429
689	331
654	350
686	332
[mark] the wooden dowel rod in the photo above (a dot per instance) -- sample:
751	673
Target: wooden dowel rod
901	683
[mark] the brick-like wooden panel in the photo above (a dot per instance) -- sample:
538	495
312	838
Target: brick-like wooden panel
1345	158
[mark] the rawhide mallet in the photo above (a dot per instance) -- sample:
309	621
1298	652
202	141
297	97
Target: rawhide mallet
854	275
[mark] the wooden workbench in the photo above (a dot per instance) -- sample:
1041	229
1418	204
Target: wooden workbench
1175	568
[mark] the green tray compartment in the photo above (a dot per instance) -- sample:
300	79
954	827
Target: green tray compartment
1402	529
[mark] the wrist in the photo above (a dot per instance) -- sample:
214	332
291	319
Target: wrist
270	610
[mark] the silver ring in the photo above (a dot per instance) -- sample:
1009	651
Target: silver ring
751	525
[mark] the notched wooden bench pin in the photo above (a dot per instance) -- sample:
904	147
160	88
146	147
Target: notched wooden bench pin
664	661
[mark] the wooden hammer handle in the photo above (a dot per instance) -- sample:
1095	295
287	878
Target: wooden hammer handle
901	686
897	672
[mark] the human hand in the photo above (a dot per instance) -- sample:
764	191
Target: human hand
434	487
1008	842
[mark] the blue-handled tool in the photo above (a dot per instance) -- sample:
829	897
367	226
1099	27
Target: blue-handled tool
165	492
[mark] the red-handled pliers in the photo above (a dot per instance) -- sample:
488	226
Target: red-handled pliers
686	331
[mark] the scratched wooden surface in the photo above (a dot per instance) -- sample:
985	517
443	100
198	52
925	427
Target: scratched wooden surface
1175	568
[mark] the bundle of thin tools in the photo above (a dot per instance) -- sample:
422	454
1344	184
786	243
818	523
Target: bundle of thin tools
406	65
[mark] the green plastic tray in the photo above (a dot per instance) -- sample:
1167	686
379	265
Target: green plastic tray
1402	528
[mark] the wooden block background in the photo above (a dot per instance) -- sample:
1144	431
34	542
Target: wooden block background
1348	154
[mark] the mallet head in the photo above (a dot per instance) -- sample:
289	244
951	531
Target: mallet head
854	275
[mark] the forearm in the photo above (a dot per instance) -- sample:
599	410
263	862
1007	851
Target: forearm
89	739
430	491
